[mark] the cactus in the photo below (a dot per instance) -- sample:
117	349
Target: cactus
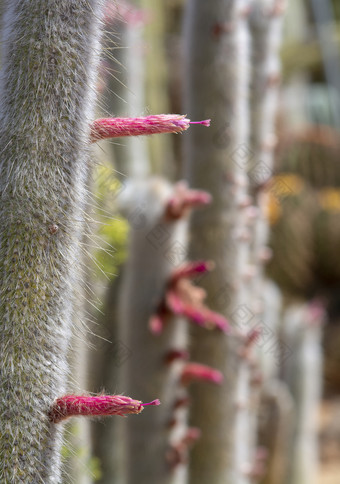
48	74
302	332
153	289
217	85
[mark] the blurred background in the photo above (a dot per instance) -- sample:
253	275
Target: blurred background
273	96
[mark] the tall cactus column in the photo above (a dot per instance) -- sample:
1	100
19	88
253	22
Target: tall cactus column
265	23
151	293
47	84
216	73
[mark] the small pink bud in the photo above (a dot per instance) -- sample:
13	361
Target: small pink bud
196	371
181	402
183	200
156	323
192	434
99	405
192	269
173	355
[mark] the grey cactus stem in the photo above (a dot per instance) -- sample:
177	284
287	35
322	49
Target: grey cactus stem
47	85
153	243
265	22
302	332
216	73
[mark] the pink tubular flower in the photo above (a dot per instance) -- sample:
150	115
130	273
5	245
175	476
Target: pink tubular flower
183	200
196	371
159	123
192	269
99	405
182	298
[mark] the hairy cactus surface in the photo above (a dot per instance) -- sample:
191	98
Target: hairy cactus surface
156	287
47	83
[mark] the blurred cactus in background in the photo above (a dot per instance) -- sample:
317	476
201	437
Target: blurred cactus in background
218	293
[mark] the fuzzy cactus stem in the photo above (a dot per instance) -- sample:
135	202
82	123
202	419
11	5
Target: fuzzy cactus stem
160	123
95	406
48	74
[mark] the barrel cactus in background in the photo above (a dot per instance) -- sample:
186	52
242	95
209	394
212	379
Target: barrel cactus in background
312	152
291	208
327	238
303	208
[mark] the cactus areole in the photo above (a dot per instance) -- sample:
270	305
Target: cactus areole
49	60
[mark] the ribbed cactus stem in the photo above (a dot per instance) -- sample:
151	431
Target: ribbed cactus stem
47	85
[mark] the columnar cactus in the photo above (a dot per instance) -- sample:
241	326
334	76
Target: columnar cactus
47	84
302	331
217	86
154	288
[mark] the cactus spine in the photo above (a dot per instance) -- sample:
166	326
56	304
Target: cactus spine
47	85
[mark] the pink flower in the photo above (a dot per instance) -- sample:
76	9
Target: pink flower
183	200
197	372
159	123
182	298
99	405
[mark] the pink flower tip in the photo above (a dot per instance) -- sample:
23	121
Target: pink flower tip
154	402
192	269
205	122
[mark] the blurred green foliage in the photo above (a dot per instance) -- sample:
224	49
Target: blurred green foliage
110	250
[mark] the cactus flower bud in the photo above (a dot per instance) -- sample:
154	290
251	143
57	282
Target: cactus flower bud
95	406
196	371
159	123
